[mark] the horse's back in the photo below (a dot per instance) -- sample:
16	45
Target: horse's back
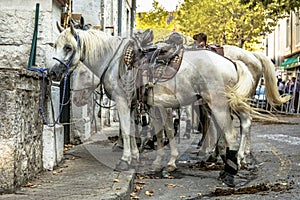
209	64
247	57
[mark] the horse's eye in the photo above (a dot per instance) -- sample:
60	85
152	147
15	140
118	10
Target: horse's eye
67	48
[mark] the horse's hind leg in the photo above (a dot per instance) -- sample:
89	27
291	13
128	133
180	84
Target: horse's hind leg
173	146
223	120
210	136
168	127
244	148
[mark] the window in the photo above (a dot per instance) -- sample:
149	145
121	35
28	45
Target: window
288	34
297	29
279	45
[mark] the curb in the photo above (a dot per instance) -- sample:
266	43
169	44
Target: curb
121	190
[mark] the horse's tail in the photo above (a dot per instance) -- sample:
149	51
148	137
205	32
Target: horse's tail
271	88
245	80
238	95
240	104
236	101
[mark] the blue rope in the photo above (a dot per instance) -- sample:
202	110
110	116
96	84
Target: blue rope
41	108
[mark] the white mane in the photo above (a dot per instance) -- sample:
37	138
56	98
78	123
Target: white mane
97	46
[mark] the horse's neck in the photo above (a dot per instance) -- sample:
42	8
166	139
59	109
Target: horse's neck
98	59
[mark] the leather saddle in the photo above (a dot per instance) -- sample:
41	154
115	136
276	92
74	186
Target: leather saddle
212	47
160	61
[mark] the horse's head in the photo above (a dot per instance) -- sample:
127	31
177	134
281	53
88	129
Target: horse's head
67	52
84	83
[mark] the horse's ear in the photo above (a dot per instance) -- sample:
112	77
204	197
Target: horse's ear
73	31
81	22
59	27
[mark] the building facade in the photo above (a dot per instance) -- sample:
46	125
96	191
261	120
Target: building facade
283	46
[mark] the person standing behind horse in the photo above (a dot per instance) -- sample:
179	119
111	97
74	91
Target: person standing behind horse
201	43
200	40
280	86
296	95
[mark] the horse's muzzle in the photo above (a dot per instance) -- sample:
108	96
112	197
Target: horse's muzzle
55	73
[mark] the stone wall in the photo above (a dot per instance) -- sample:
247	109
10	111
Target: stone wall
20	128
17	26
90	10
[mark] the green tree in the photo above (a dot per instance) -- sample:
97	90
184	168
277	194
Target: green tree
158	19
224	21
275	8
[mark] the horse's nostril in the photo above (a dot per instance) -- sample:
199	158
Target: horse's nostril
54	73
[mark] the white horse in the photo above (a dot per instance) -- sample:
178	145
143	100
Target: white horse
202	74
258	65
85	82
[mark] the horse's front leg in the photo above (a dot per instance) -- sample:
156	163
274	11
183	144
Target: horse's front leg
133	144
156	165
126	125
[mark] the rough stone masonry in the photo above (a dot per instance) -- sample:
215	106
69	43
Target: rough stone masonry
20	127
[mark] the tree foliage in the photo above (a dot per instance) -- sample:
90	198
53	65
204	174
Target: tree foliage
235	22
224	21
158	19
275	8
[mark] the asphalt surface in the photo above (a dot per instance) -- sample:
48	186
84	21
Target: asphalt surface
274	175
87	171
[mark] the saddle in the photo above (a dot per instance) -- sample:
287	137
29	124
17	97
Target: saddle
160	61
154	63
164	62
212	47
216	48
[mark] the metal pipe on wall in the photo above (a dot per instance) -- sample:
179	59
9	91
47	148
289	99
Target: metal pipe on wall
120	6
132	18
32	55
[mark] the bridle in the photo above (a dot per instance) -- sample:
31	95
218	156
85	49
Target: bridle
69	63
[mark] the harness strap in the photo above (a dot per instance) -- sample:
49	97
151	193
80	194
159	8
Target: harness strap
107	66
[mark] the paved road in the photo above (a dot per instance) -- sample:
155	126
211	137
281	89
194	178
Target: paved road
275	146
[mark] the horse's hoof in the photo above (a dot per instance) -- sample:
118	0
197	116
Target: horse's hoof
212	159
122	165
227	178
171	168
134	163
155	168
249	163
117	148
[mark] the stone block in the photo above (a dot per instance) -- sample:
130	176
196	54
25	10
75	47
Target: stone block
7	165
53	146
